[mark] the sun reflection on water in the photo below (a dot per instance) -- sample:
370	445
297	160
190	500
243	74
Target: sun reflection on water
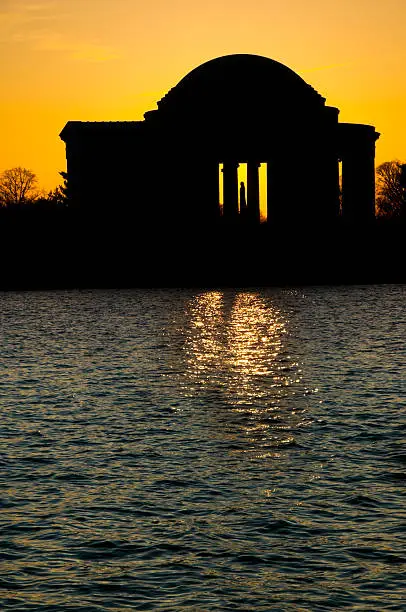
235	345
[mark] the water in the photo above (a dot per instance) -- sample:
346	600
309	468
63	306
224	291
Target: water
187	450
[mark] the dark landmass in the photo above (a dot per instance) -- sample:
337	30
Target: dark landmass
63	250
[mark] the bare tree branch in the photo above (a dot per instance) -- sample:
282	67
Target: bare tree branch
391	189
17	186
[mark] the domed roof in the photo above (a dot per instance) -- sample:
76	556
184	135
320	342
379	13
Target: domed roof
240	77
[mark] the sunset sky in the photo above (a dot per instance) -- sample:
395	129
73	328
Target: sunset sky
95	60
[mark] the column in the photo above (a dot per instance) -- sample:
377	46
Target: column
358	172
271	189
253	191
209	190
230	187
358	187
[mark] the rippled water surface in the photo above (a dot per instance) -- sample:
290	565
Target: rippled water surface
186	450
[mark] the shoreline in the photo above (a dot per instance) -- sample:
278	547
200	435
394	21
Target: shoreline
67	252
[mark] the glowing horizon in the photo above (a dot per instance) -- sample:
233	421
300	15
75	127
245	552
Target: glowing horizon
112	61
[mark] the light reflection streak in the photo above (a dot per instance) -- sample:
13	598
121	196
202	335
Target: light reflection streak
235	345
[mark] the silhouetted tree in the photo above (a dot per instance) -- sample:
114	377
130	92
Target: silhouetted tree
391	189
57	196
17	186
60	195
64	188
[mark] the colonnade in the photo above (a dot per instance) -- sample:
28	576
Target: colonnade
288	203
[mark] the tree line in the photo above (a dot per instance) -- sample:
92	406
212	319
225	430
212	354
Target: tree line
19	188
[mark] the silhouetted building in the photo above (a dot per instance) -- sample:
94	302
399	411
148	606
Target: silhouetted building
228	111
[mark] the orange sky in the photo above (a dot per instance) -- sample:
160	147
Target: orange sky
100	60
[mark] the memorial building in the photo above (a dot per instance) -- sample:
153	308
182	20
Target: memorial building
180	165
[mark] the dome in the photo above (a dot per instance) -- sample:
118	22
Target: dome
240	78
